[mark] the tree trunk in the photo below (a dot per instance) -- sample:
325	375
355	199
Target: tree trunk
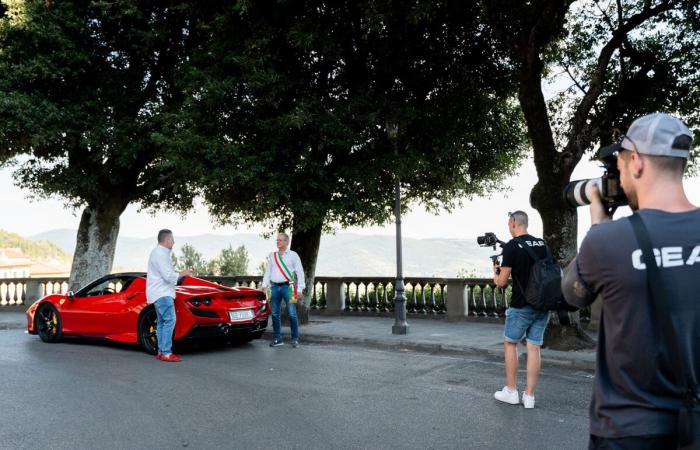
306	243
96	242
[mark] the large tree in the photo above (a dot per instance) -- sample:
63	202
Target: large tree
318	106
623	58
88	90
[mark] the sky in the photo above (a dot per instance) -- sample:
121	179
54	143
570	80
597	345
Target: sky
28	217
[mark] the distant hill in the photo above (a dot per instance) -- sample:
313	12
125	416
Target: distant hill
36	250
342	254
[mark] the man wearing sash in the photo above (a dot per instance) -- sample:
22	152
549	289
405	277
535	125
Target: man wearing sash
285	277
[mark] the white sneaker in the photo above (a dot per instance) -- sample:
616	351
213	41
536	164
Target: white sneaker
528	401
506	395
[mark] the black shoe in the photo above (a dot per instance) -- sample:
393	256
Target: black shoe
276	343
295	343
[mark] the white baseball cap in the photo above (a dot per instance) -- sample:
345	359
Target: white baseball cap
658	134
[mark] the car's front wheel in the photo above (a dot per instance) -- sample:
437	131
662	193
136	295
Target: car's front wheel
147	331
48	324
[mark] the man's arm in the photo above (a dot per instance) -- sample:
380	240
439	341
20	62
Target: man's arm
500	277
299	272
266	276
503	272
576	291
165	267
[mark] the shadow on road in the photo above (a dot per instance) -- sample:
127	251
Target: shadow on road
200	346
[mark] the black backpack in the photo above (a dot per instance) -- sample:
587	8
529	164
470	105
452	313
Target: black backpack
543	290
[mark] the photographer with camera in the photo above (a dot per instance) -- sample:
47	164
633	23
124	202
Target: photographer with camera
522	319
645	394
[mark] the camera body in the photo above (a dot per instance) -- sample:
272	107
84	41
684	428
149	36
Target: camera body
578	192
487	240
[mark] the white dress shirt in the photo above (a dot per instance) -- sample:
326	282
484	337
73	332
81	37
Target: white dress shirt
293	263
162	277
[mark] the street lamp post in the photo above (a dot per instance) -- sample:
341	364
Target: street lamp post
400	324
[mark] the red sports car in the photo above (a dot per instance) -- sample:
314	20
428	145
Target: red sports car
114	307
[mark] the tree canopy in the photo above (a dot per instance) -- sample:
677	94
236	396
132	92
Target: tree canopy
88	89
297	99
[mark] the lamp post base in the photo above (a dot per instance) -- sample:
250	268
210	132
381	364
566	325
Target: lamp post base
399	329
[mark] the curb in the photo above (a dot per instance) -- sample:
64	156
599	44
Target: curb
443	349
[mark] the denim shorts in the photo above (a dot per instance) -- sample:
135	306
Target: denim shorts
526	322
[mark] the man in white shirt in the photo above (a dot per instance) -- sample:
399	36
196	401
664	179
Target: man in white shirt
285	275
160	290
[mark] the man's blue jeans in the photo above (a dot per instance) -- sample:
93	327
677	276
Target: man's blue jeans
165	310
279	293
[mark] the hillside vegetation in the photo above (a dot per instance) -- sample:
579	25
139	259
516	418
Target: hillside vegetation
35	250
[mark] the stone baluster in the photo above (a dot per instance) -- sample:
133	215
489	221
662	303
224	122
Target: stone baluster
385	298
356	305
442	302
313	304
420	300
323	300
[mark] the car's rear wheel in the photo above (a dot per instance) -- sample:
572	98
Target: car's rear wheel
147	331
48	324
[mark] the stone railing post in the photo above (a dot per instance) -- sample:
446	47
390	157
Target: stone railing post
457	300
34	291
335	296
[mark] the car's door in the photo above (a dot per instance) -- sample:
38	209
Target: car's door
95	312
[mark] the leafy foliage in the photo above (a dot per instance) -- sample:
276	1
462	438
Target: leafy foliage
87	90
295	117
190	258
232	262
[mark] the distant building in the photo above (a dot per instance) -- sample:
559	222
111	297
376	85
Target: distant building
14	264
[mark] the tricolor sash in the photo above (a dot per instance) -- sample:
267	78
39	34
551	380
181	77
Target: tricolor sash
286	273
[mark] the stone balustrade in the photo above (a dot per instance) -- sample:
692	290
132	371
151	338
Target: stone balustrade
448	298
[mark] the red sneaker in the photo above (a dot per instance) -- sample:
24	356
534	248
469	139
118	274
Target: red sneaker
170	358
159	355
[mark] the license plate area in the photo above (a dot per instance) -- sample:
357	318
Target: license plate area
237	315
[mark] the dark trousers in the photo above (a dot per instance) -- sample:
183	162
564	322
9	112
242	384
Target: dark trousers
666	442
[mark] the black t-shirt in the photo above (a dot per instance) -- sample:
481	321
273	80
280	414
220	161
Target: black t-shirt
636	389
517	258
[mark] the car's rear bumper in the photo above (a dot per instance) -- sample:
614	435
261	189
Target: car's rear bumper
226	329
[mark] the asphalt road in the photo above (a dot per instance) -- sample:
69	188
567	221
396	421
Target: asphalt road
79	395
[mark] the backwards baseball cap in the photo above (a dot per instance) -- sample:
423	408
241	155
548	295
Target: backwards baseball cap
657	134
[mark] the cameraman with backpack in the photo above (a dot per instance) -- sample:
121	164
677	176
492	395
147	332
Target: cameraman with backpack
522	319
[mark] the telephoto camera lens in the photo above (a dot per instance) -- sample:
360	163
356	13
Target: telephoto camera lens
578	192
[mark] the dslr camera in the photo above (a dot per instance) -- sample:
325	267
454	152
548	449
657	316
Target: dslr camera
578	192
490	240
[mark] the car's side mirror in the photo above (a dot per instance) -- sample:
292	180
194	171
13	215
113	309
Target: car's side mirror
71	295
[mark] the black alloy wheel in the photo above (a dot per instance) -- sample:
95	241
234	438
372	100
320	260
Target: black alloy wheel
48	324
147	331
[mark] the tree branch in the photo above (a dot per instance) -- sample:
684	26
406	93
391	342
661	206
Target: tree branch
580	134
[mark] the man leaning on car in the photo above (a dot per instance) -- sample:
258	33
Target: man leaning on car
160	290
